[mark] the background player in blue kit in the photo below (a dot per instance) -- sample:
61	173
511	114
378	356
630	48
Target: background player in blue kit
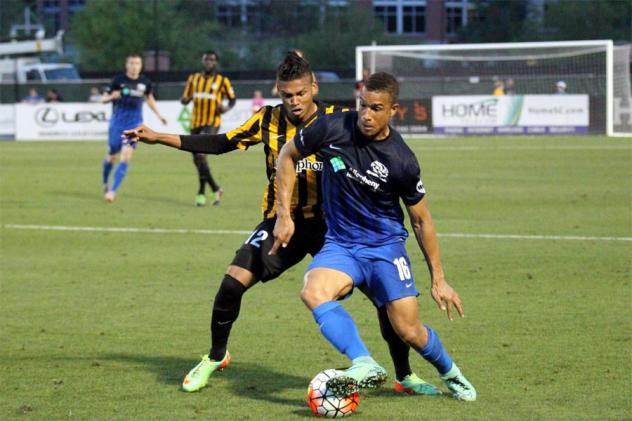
127	93
367	169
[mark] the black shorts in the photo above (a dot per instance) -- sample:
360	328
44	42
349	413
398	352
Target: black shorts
309	237
205	130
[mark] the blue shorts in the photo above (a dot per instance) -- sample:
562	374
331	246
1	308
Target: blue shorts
115	141
384	269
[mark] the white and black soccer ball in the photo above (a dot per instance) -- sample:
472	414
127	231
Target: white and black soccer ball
324	403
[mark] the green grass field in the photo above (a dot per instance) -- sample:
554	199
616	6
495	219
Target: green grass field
105	324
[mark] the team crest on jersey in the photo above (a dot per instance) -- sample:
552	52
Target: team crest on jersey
378	170
141	87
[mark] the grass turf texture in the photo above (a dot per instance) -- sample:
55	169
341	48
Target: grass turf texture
105	325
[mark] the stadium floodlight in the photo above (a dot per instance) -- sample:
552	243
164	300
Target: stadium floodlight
595	74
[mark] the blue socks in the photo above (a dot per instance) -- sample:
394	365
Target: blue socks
337	326
107	168
435	353
119	175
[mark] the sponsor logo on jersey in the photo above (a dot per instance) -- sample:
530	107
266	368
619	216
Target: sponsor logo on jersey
305	164
363	179
337	163
420	187
204	95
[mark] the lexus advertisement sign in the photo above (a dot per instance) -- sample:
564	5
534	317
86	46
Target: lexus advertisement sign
90	121
65	121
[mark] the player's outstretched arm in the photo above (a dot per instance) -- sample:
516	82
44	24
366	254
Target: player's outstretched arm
214	144
285	180
424	229
144	134
151	101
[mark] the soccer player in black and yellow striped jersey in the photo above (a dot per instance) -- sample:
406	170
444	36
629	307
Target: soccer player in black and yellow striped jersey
273	126
207	90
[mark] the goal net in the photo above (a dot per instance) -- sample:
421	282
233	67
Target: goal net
567	87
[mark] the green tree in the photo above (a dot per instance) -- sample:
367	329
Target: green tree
497	21
589	19
106	31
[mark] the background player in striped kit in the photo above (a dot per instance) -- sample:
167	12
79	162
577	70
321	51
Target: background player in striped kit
127	93
207	89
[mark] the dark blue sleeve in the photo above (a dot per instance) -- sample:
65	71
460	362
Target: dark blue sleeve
309	139
411	186
115	85
150	86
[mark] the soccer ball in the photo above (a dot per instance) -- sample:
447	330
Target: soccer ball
324	403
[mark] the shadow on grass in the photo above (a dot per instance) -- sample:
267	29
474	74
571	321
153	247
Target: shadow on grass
98	195
246	380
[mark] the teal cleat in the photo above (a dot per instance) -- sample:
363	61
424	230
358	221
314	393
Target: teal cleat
413	385
198	377
459	386
365	373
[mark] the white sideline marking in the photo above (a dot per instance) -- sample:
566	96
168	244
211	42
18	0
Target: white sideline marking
430	147
241	232
125	230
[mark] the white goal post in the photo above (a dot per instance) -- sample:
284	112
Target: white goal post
449	81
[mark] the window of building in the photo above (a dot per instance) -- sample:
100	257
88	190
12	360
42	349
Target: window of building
229	14
388	15
454	19
48	4
414	19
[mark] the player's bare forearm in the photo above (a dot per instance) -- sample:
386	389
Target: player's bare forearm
443	294
109	97
151	101
426	236
286	177
285	180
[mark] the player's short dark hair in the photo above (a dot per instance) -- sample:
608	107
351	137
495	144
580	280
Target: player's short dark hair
211	53
293	67
383	82
133	55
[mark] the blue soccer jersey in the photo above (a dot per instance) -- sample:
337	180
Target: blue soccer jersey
363	180
128	109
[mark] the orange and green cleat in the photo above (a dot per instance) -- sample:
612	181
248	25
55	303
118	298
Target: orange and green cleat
198	376
413	385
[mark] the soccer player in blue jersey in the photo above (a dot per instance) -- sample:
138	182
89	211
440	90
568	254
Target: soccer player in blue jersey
127	93
367	169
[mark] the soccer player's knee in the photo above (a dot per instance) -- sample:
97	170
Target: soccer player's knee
411	333
313	295
230	289
199	159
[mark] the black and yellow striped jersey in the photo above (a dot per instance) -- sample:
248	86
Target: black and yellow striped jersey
272	127
207	91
